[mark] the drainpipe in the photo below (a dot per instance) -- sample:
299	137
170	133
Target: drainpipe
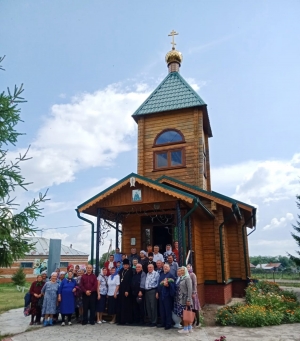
235	210
93	232
244	239
183	229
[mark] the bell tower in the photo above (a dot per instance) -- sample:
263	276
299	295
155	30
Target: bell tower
173	129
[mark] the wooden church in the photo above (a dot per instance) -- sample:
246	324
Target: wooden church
170	197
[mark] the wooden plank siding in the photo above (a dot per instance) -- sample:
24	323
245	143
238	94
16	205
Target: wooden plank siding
124	197
190	123
131	228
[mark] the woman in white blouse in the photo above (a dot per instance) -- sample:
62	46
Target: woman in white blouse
113	283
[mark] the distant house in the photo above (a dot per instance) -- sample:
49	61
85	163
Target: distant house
252	266
36	260
269	266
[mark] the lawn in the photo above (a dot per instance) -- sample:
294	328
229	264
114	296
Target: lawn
10	297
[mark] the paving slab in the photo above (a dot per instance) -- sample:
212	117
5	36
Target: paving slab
14	322
108	332
284	332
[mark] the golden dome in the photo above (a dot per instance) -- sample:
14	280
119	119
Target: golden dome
173	56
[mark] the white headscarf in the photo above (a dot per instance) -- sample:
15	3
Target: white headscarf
144	252
168	252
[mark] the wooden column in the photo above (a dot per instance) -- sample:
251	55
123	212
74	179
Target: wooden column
98	241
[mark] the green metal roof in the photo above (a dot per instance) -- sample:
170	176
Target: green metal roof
215	194
173	93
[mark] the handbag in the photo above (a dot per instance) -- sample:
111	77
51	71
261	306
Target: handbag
188	315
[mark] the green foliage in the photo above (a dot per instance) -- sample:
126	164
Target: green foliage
285	261
15	225
296	236
19	277
105	257
267	305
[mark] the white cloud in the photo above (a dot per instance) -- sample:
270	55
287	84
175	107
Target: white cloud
90	131
279	223
270	180
196	85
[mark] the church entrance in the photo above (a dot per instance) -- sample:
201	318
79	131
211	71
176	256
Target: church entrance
157	231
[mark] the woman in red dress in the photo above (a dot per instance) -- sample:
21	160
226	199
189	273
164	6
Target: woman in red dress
35	295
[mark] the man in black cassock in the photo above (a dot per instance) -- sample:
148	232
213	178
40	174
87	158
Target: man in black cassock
124	314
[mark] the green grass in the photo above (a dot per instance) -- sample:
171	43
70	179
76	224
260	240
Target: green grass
10	297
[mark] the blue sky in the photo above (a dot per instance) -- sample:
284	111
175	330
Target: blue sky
87	65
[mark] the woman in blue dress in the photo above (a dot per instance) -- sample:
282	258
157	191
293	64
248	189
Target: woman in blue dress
50	290
66	297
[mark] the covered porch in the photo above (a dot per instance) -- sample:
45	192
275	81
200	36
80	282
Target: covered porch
144	212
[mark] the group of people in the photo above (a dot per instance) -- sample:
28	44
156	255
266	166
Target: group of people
138	289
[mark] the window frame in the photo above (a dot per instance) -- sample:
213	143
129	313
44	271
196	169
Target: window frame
24	265
168	152
168	143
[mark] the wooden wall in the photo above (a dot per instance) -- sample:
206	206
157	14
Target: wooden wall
131	229
190	123
207	247
124	197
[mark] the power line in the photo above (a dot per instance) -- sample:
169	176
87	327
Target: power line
61	227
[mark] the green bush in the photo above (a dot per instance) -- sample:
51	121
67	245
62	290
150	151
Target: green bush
251	316
267	305
19	277
226	315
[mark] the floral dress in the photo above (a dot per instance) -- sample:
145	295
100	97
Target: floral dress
78	293
178	308
50	291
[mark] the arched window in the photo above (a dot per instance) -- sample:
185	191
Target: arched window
169	136
173	157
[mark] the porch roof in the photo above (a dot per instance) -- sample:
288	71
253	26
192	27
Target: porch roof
174	192
215	196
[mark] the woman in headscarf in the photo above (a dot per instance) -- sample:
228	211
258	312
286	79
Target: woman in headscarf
35	296
183	297
70	267
113	283
78	295
196	303
169	252
66	298
50	290
144	260
44	276
61	276
102	292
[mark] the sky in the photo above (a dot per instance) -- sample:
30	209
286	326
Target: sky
86	66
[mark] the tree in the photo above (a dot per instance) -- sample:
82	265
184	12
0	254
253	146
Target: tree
295	259
16	223
19	277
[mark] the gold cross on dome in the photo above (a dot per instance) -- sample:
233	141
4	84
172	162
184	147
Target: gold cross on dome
172	34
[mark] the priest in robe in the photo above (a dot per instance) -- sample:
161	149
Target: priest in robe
124	315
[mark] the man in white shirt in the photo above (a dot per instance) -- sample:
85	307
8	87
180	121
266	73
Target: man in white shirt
151	284
156	255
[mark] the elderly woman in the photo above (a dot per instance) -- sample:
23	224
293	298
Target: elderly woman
102	292
144	260
44	276
183	297
113	282
78	294
66	298
61	277
50	290
168	253
35	295
196	303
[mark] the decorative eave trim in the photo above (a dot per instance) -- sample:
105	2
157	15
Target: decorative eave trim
146	182
195	191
